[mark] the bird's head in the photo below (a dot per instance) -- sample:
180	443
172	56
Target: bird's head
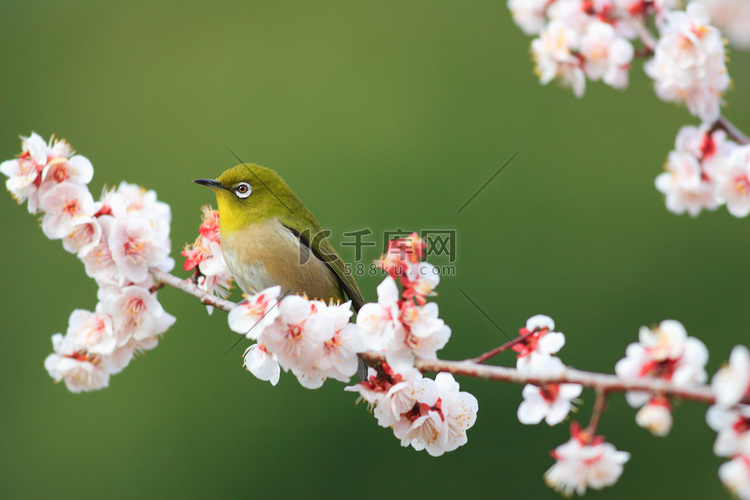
249	193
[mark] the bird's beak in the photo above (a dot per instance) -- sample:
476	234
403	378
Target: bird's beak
212	183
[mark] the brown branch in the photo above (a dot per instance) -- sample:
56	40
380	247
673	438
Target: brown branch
597	381
189	287
732	132
596	414
502	348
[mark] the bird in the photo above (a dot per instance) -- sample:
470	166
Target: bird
268	238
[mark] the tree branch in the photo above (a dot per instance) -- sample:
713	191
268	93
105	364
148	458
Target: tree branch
600	382
732	132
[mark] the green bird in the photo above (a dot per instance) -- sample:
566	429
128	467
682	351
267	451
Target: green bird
268	238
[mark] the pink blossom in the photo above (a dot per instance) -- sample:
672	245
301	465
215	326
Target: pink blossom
606	56
136	314
80	371
733	186
65	205
685	187
136	246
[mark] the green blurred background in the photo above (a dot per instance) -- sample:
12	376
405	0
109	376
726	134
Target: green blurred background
380	115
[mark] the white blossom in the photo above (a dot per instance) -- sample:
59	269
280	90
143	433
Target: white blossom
551	403
553	54
583	464
731	383
689	62
262	364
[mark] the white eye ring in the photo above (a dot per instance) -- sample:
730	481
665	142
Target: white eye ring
243	190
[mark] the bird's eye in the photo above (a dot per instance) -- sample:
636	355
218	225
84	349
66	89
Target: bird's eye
242	190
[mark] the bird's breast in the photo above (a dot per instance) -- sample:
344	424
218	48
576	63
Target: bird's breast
266	254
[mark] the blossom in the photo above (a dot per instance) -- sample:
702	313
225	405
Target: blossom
424	334
735	475
339	359
136	246
92	331
684	186
732	426
65	205
656	416
584	462
689	62
536	349
551	402
297	336
98	260
80	371
732	382
42	165
135	313
420	281
255	313
606	56
379	321
664	352
733	187
553	53
438	421
85	233
135	200
261	363
392	394
529	15
402	255
209	227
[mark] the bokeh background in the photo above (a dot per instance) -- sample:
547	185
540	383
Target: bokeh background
380	115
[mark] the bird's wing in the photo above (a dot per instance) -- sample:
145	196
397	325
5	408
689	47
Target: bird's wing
315	239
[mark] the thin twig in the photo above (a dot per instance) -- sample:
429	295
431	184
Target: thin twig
732	132
596	414
502	348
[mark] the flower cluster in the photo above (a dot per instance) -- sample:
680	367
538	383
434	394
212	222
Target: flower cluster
580	39
427	414
313	339
664	352
118	238
585	461
689	63
731	421
705	171
204	255
536	345
404	325
316	341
